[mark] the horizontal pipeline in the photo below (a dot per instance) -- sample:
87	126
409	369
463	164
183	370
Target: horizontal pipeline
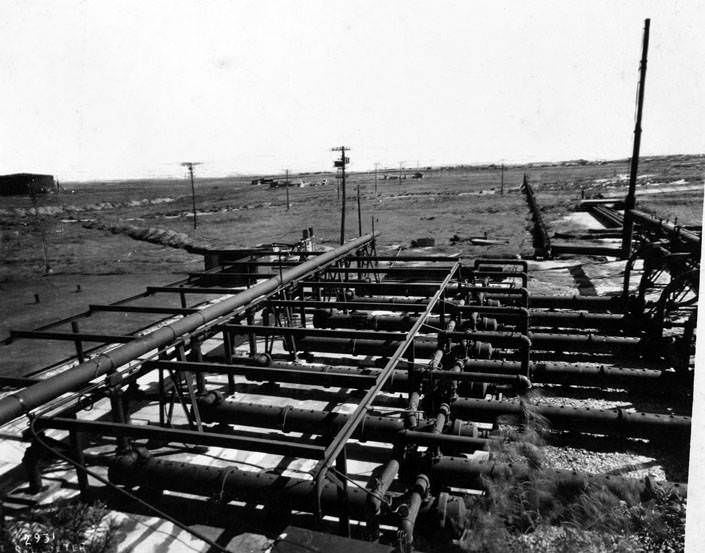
339	377
585	249
576	302
594	421
461	472
476	370
689	239
425	347
373	428
138	468
550	319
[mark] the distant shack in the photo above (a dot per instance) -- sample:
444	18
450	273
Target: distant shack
26	184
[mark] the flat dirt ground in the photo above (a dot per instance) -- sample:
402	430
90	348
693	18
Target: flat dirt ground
447	202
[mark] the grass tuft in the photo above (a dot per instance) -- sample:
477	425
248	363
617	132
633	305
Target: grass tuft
536	512
73	526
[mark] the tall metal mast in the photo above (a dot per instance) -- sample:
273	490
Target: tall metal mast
630	200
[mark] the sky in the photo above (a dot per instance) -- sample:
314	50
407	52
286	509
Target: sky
109	90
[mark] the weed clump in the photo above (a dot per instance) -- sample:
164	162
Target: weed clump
535	510
73	526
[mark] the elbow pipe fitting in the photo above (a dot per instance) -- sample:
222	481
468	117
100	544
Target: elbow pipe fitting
378	486
409	512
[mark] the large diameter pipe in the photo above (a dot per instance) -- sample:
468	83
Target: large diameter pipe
232	484
358	315
340	377
425	348
551	319
374	428
379	484
548	372
689	239
511	296
367	321
577	302
23	401
586	249
461	472
594	421
418	493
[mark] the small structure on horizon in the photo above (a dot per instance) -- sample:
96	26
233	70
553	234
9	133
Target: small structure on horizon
19	184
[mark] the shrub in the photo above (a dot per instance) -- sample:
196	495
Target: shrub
538	513
73	526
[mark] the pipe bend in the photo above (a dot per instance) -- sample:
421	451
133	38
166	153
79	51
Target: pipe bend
523	384
419	492
525	340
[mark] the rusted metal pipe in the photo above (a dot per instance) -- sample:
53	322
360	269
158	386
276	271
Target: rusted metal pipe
227	484
378	485
460	472
595	421
291	419
689	240
417	494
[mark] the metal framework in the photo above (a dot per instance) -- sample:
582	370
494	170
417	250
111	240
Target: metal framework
435	335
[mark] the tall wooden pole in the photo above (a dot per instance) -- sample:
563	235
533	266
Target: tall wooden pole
286	183
342	207
359	213
340	164
501	173
193	195
630	200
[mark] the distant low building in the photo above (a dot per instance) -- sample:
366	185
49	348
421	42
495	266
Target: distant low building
26	183
264	180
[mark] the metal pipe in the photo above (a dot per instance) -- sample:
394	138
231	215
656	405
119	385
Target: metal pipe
465	473
372	428
425	347
576	302
585	249
630	199
339	377
360	319
543	242
23	401
417	494
378	485
227	484
597	421
690	240
290	448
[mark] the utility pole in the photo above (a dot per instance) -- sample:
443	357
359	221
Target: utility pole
401	166
376	166
340	164
630	200
501	179
189	165
286	183
359	213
